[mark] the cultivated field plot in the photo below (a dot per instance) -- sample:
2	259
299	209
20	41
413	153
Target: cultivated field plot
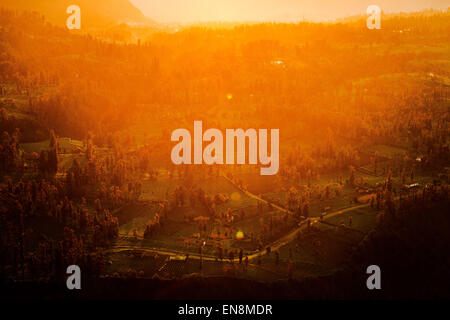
181	230
317	251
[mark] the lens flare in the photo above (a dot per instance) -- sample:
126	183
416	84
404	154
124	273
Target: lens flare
235	196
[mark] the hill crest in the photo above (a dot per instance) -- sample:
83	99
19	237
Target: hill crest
94	14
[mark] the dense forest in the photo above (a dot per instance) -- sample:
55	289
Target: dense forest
334	90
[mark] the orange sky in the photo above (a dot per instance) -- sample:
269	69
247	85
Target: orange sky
268	10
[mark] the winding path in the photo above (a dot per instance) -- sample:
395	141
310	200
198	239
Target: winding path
277	244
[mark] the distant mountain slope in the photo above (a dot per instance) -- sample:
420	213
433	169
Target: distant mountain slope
94	14
269	10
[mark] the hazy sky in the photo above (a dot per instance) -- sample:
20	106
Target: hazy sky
267	10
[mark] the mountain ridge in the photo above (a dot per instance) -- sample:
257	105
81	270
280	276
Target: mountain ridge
94	14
